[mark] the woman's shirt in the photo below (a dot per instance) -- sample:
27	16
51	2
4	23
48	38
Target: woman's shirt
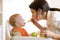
54	20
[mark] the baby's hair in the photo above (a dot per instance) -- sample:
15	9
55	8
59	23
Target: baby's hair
12	19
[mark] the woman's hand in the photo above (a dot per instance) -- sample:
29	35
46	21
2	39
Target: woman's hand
48	33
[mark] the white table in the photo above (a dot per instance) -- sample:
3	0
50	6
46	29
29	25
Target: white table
30	38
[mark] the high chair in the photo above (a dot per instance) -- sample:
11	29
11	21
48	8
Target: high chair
8	36
8	29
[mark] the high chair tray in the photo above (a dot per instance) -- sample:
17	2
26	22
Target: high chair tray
29	38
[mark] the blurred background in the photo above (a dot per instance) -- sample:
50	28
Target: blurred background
0	12
1	28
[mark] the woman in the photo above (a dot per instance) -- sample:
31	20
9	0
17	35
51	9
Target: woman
39	11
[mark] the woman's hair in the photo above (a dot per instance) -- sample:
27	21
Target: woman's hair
12	19
39	4
54	9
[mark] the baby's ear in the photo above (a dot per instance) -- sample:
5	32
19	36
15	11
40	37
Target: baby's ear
16	23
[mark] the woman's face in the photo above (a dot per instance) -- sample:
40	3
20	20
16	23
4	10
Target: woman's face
38	14
33	13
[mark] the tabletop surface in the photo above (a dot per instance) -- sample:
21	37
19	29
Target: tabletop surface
30	38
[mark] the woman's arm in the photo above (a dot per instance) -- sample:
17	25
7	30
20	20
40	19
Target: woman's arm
51	34
38	25
56	36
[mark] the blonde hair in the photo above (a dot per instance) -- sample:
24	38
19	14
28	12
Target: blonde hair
12	19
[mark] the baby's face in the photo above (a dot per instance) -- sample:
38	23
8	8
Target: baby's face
19	21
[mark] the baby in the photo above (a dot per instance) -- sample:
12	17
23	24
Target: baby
17	22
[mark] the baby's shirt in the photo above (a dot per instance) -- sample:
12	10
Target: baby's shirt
20	31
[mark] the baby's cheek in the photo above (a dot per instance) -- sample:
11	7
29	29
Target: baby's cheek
22	23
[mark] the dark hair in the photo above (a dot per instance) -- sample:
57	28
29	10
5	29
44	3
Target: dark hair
42	4
54	9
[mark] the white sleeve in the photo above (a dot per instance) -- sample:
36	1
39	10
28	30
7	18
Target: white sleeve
56	19
43	23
